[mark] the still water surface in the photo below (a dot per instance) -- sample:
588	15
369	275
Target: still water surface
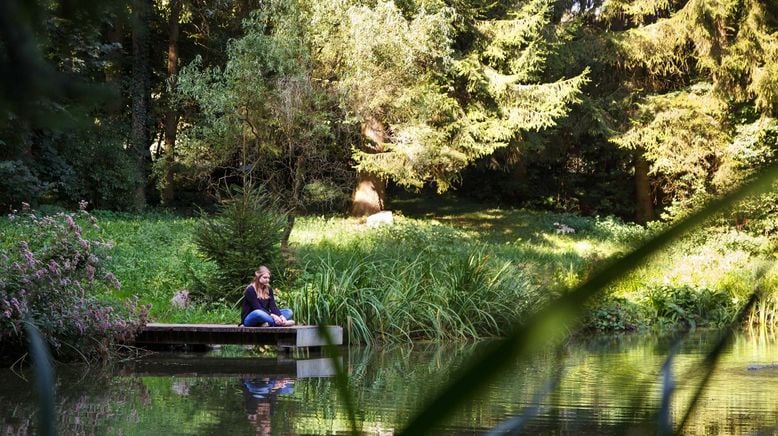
608	385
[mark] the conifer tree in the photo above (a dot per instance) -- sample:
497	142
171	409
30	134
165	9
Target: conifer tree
425	89
707	69
453	83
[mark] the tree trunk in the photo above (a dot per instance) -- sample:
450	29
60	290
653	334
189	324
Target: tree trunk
644	210
294	206
519	176
243	9
141	95
286	252
369	195
171	116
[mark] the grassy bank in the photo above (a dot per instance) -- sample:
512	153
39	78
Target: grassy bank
155	257
448	270
463	274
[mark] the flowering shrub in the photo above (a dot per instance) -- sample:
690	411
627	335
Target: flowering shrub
50	275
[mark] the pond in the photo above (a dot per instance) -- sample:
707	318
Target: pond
605	385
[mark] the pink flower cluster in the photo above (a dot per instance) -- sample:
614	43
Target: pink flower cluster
53	279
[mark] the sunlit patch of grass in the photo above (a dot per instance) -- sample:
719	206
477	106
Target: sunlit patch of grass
714	260
155	257
521	237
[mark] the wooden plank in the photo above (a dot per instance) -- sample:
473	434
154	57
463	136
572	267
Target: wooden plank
191	334
314	338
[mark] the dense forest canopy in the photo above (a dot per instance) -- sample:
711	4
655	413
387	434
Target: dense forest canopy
536	103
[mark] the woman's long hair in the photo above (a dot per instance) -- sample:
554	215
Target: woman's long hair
264	292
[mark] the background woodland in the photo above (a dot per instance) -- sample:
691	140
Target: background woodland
630	108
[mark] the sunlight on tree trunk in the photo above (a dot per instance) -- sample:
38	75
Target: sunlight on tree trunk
369	196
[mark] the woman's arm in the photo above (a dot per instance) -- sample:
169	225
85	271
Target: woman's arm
250	296
273	308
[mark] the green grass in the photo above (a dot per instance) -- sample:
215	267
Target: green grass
447	269
154	257
473	273
351	271
424	279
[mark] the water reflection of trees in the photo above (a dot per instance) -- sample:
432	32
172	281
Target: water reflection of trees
607	386
388	384
86	399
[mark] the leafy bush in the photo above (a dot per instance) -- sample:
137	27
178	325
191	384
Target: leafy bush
615	314
98	170
325	196
18	183
245	233
106	174
690	307
51	280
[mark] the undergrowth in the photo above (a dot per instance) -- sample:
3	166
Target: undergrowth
461	275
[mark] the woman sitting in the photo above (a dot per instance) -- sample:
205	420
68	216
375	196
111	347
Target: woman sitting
259	305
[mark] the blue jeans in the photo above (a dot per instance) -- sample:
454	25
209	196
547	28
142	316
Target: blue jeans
259	316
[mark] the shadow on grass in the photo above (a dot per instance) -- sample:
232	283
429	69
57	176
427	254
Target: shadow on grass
548	325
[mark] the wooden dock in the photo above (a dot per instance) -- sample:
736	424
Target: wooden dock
209	334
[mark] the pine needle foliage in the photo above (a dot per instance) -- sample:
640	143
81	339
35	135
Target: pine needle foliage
697	84
245	233
685	135
446	82
731	41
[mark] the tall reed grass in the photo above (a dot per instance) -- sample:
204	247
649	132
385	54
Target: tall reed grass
406	283
547	325
424	279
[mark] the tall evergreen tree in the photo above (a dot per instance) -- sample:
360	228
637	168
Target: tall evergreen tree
448	85
705	69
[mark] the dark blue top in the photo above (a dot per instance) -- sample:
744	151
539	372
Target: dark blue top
251	303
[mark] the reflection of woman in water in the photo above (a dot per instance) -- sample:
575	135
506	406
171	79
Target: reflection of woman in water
260	396
259	304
